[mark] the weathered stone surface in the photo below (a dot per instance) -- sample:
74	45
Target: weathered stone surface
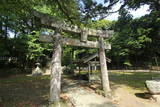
56	69
95	77
74	42
51	22
103	65
37	71
84	35
153	86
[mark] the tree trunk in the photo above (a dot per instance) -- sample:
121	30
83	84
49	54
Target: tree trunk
103	65
55	78
6	28
89	69
79	71
156	61
1	30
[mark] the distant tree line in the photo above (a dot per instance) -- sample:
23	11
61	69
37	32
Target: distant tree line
135	43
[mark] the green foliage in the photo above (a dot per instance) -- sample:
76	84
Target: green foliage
27	50
100	24
34	49
16	17
127	63
134	41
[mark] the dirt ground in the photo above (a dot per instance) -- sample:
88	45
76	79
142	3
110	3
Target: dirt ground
80	95
121	95
24	91
128	97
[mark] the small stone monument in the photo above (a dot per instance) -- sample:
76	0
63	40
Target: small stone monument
95	77
153	87
37	71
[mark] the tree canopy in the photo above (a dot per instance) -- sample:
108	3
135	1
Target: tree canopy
136	42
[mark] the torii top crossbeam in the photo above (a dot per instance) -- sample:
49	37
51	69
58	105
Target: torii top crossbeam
53	23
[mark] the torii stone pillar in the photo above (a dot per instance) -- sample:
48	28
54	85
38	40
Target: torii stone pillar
55	82
103	66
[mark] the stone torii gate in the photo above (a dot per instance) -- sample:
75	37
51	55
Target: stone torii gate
55	78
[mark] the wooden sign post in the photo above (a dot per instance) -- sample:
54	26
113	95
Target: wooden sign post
50	22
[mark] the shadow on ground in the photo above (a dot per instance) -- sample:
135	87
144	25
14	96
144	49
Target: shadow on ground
23	91
143	95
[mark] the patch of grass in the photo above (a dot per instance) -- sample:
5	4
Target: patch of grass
135	80
22	79
24	91
132	79
86	72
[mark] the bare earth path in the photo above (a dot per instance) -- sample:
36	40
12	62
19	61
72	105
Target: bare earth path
83	98
124	96
127	98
